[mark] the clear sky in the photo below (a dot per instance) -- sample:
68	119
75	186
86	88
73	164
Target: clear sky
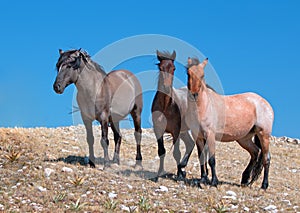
252	45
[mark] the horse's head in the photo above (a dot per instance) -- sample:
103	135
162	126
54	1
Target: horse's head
166	67
69	66
195	72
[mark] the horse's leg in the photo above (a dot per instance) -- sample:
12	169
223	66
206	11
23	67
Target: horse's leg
189	146
253	150
105	141
117	138
266	156
212	161
90	141
202	159
177	154
136	116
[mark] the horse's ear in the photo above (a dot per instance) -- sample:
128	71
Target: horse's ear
189	61
158	54
173	56
60	51
203	64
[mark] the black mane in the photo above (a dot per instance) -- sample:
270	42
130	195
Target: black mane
83	54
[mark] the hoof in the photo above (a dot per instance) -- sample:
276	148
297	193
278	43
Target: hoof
138	165
264	186
215	182
181	175
116	161
155	179
92	164
204	180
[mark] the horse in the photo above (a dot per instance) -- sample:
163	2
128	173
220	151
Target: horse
169	107
246	118
107	98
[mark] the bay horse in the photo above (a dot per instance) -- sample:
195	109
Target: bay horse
239	117
107	98
169	107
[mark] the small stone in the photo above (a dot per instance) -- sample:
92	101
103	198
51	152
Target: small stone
41	189
287	202
162	189
246	209
112	195
229	197
231	193
129	186
48	172
270	208
66	169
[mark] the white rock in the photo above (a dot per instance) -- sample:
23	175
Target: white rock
48	172
231	193
229	197
129	186
288	202
112	195
124	208
66	169
1	207
163	189
270	208
64	150
41	189
246	209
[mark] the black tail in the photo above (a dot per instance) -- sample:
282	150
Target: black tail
258	166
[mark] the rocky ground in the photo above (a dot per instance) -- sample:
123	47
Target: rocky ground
43	169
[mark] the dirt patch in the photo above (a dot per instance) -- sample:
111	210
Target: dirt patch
44	169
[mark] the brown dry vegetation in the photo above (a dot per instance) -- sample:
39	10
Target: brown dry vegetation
41	170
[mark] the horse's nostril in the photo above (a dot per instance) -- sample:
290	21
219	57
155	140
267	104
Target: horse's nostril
56	87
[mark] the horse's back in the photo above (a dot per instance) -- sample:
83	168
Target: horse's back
126	92
264	111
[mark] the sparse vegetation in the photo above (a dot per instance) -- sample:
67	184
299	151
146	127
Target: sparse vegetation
110	204
32	178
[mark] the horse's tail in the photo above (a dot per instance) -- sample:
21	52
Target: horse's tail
258	166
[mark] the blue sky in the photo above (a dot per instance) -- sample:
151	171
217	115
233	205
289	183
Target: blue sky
253	46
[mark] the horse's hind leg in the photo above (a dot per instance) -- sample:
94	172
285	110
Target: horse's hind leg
253	150
136	116
117	138
189	146
266	157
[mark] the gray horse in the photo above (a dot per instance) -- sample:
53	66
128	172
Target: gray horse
107	98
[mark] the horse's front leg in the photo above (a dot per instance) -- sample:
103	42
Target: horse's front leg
202	159
212	161
90	140
104	140
189	146
177	156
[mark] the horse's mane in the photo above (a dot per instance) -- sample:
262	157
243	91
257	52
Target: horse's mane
195	62
85	56
165	55
87	59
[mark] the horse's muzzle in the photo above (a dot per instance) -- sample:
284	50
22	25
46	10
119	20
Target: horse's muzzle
58	88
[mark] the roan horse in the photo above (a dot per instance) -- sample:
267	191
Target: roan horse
168	110
238	118
107	98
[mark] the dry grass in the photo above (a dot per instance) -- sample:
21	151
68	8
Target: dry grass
43	169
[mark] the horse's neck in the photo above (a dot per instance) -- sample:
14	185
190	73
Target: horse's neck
89	82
